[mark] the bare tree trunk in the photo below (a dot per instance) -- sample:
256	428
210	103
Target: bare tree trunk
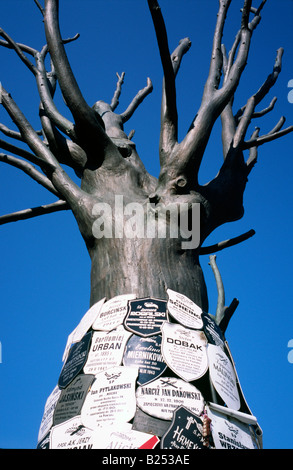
116	200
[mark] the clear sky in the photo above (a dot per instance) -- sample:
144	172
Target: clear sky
44	264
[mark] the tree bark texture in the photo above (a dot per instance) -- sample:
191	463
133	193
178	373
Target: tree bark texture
113	176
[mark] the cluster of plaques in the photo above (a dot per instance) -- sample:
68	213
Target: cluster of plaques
144	373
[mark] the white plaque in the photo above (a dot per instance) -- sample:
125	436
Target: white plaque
123	437
230	433
71	435
84	325
112	313
162	396
88	320
184	310
184	351
111	399
47	419
106	350
223	376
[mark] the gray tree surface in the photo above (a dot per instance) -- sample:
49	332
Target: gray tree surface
94	144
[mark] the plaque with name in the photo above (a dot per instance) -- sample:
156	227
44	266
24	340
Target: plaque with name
112	313
76	359
161	397
145	353
124	437
185	431
111	399
72	398
106	350
230	433
146	316
184	310
212	331
184	351
47	419
223	376
88	320
71	434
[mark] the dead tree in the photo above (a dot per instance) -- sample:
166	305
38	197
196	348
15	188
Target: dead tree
93	143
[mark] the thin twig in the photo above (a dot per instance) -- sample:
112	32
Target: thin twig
206	250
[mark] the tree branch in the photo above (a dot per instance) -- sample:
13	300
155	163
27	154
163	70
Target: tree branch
115	99
137	100
206	250
220	289
30	170
169	116
223	313
89	123
34	212
27	155
266	138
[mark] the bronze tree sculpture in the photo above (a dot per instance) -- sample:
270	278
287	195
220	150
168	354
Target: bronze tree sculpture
93	143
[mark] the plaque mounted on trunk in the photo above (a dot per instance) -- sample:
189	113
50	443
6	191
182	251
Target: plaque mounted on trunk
72	398
184	310
146	316
212	331
76	359
71	435
111	399
185	431
184	351
145	353
106	350
161	397
112	313
223	376
229	432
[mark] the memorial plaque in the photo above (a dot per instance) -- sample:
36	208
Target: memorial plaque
47	419
44	443
161	397
230	433
83	326
212	331
185	431
72	398
184	351
223	376
149	424
146	316
112	313
106	350
184	310
71	435
145	353
87	320
123	437
76	359
111	399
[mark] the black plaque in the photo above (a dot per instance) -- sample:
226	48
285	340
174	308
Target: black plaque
145	353
146	316
212	331
184	432
76	359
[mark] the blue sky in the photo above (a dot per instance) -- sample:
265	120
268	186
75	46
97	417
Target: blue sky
44	264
